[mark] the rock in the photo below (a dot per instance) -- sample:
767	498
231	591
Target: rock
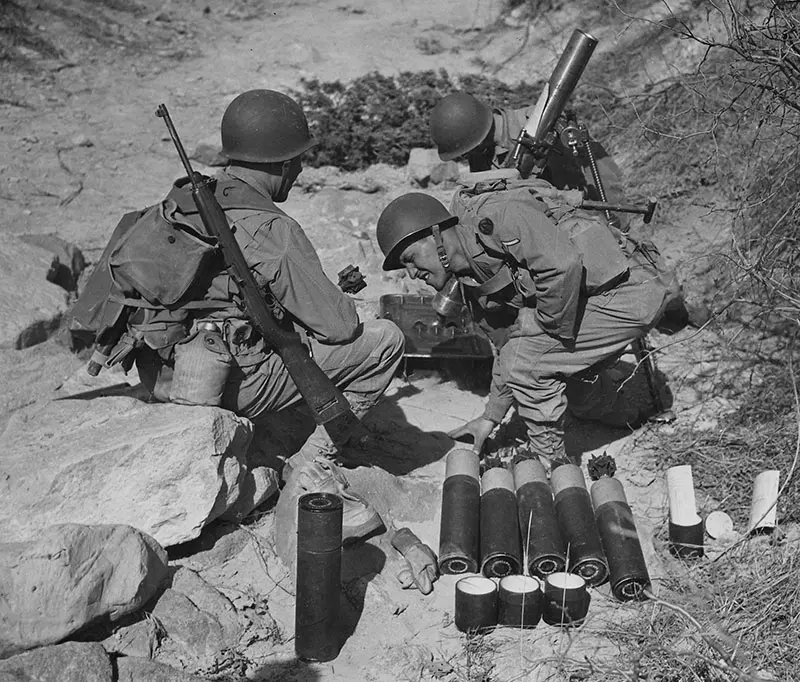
445	173
31	306
425	167
69	263
81	140
196	624
70	576
136	669
166	469
258	486
32	374
68	662
209	153
218	544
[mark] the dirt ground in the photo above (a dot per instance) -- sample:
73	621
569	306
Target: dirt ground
82	145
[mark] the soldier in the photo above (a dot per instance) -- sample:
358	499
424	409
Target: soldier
556	314
463	127
264	135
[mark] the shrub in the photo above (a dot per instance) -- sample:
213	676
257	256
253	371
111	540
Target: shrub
379	119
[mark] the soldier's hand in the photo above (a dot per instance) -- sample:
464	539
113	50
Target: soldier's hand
479	429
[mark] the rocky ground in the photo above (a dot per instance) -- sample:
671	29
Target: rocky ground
82	146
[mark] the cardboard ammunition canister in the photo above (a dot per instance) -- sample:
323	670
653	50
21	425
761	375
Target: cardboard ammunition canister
499	525
565	600
476	604
319	569
626	564
764	505
543	549
519	601
680	491
578	526
459	540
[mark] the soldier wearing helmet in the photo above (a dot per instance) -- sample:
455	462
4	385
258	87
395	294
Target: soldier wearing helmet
464	127
524	280
264	135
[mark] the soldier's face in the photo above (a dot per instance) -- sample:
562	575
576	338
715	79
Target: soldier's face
422	262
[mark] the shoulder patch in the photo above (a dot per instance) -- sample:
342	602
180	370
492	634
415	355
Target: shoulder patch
510	242
486	226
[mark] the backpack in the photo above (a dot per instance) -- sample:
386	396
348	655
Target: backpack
604	249
160	258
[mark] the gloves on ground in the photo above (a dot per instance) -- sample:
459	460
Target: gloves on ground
422	567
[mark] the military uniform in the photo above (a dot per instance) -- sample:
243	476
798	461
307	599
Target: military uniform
528	287
360	358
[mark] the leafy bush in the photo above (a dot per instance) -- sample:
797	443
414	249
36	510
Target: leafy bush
379	119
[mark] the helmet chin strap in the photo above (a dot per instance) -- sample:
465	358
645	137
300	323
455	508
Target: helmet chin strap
440	250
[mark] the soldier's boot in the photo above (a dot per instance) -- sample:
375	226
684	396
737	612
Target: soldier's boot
545	443
359	519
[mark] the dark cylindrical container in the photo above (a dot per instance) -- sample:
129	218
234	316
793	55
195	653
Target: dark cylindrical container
519	601
686	542
319	569
565	599
459	541
626	564
577	523
543	549
476	604
500	548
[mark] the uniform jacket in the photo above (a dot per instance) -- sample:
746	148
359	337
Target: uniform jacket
281	256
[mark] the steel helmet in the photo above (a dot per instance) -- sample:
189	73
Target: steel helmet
459	123
405	220
264	126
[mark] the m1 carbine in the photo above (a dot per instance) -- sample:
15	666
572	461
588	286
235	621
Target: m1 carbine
327	403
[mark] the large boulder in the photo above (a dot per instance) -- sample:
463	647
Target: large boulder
32	303
166	469
70	576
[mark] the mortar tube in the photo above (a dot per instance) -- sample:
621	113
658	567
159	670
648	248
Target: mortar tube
499	525
578	526
459	540
318	580
543	548
626	564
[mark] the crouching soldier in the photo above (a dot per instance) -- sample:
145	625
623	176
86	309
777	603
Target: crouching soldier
464	127
189	332
559	293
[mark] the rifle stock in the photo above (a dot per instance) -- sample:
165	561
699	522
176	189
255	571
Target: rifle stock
327	403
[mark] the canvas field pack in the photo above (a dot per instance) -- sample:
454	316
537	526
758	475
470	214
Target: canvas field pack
158	259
